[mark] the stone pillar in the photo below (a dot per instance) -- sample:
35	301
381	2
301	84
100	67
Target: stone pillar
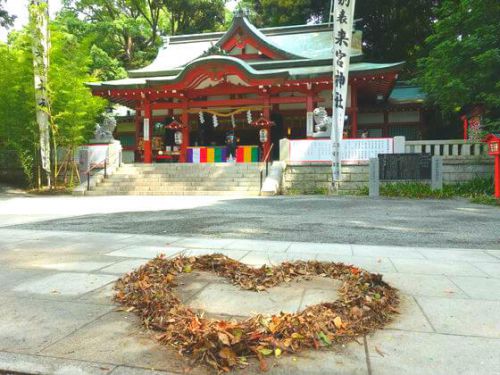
437	173
399	145
147	132
374	180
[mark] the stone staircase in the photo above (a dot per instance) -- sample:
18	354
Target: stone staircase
182	179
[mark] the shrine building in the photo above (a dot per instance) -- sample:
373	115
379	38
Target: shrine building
256	86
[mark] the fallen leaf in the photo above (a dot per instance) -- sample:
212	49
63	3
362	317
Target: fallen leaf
377	349
277	352
224	338
228	355
338	322
265	351
324	338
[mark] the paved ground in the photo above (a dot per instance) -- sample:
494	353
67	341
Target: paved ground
56	286
427	223
58	316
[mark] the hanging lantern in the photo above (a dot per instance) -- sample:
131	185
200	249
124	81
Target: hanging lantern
202	118
216	121
249	117
233	122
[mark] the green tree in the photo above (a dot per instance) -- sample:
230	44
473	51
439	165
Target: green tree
129	30
73	108
18	128
287	12
395	30
461	68
6	20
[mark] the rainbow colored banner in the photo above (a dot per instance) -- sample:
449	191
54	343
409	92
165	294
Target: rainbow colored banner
244	154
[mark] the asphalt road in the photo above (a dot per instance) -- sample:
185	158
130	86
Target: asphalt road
356	220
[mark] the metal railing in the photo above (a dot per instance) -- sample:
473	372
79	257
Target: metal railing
266	161
102	165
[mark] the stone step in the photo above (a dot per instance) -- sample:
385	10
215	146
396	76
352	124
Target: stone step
179	184
182	179
110	189
205	192
185	176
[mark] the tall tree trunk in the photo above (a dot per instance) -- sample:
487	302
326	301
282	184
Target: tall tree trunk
39	23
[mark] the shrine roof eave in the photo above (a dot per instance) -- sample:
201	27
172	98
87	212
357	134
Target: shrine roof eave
299	73
257	65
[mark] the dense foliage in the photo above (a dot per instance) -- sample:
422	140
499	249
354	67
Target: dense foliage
130	31
73	108
461	69
6	20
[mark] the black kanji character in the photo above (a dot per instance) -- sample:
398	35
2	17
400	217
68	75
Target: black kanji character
339	100
340	80
341	38
342	18
340	58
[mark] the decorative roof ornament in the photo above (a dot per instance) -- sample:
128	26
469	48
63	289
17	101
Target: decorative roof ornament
175	125
241	12
262	122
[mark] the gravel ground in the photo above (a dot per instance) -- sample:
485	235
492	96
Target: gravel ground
356	220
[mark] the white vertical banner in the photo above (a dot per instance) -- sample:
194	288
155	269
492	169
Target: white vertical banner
146	129
343	18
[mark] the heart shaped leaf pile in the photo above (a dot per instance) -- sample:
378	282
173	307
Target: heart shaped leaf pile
366	303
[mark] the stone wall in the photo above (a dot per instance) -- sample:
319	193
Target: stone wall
464	169
313	178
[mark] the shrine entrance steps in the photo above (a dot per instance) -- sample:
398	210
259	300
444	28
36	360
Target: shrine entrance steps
182	179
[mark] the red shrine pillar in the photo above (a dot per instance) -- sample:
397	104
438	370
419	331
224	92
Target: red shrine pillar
137	122
147	132
354	111
185	132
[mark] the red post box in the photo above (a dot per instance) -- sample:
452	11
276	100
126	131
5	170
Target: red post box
493	141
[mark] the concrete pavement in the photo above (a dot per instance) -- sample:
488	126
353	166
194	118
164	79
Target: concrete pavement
353	220
58	315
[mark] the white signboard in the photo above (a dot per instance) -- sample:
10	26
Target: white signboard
146	129
343	13
352	150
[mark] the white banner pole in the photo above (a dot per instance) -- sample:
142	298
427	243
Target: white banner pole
343	19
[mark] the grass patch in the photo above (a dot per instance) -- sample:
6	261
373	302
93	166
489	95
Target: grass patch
478	190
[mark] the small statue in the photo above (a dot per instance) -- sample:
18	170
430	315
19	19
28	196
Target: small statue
323	127
104	132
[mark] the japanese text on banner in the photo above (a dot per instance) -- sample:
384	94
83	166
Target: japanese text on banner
342	37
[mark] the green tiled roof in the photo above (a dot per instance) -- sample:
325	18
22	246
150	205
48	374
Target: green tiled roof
306	52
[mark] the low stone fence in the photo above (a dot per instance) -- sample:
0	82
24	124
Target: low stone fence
447	148
315	178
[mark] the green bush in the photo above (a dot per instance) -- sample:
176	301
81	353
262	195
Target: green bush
478	190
